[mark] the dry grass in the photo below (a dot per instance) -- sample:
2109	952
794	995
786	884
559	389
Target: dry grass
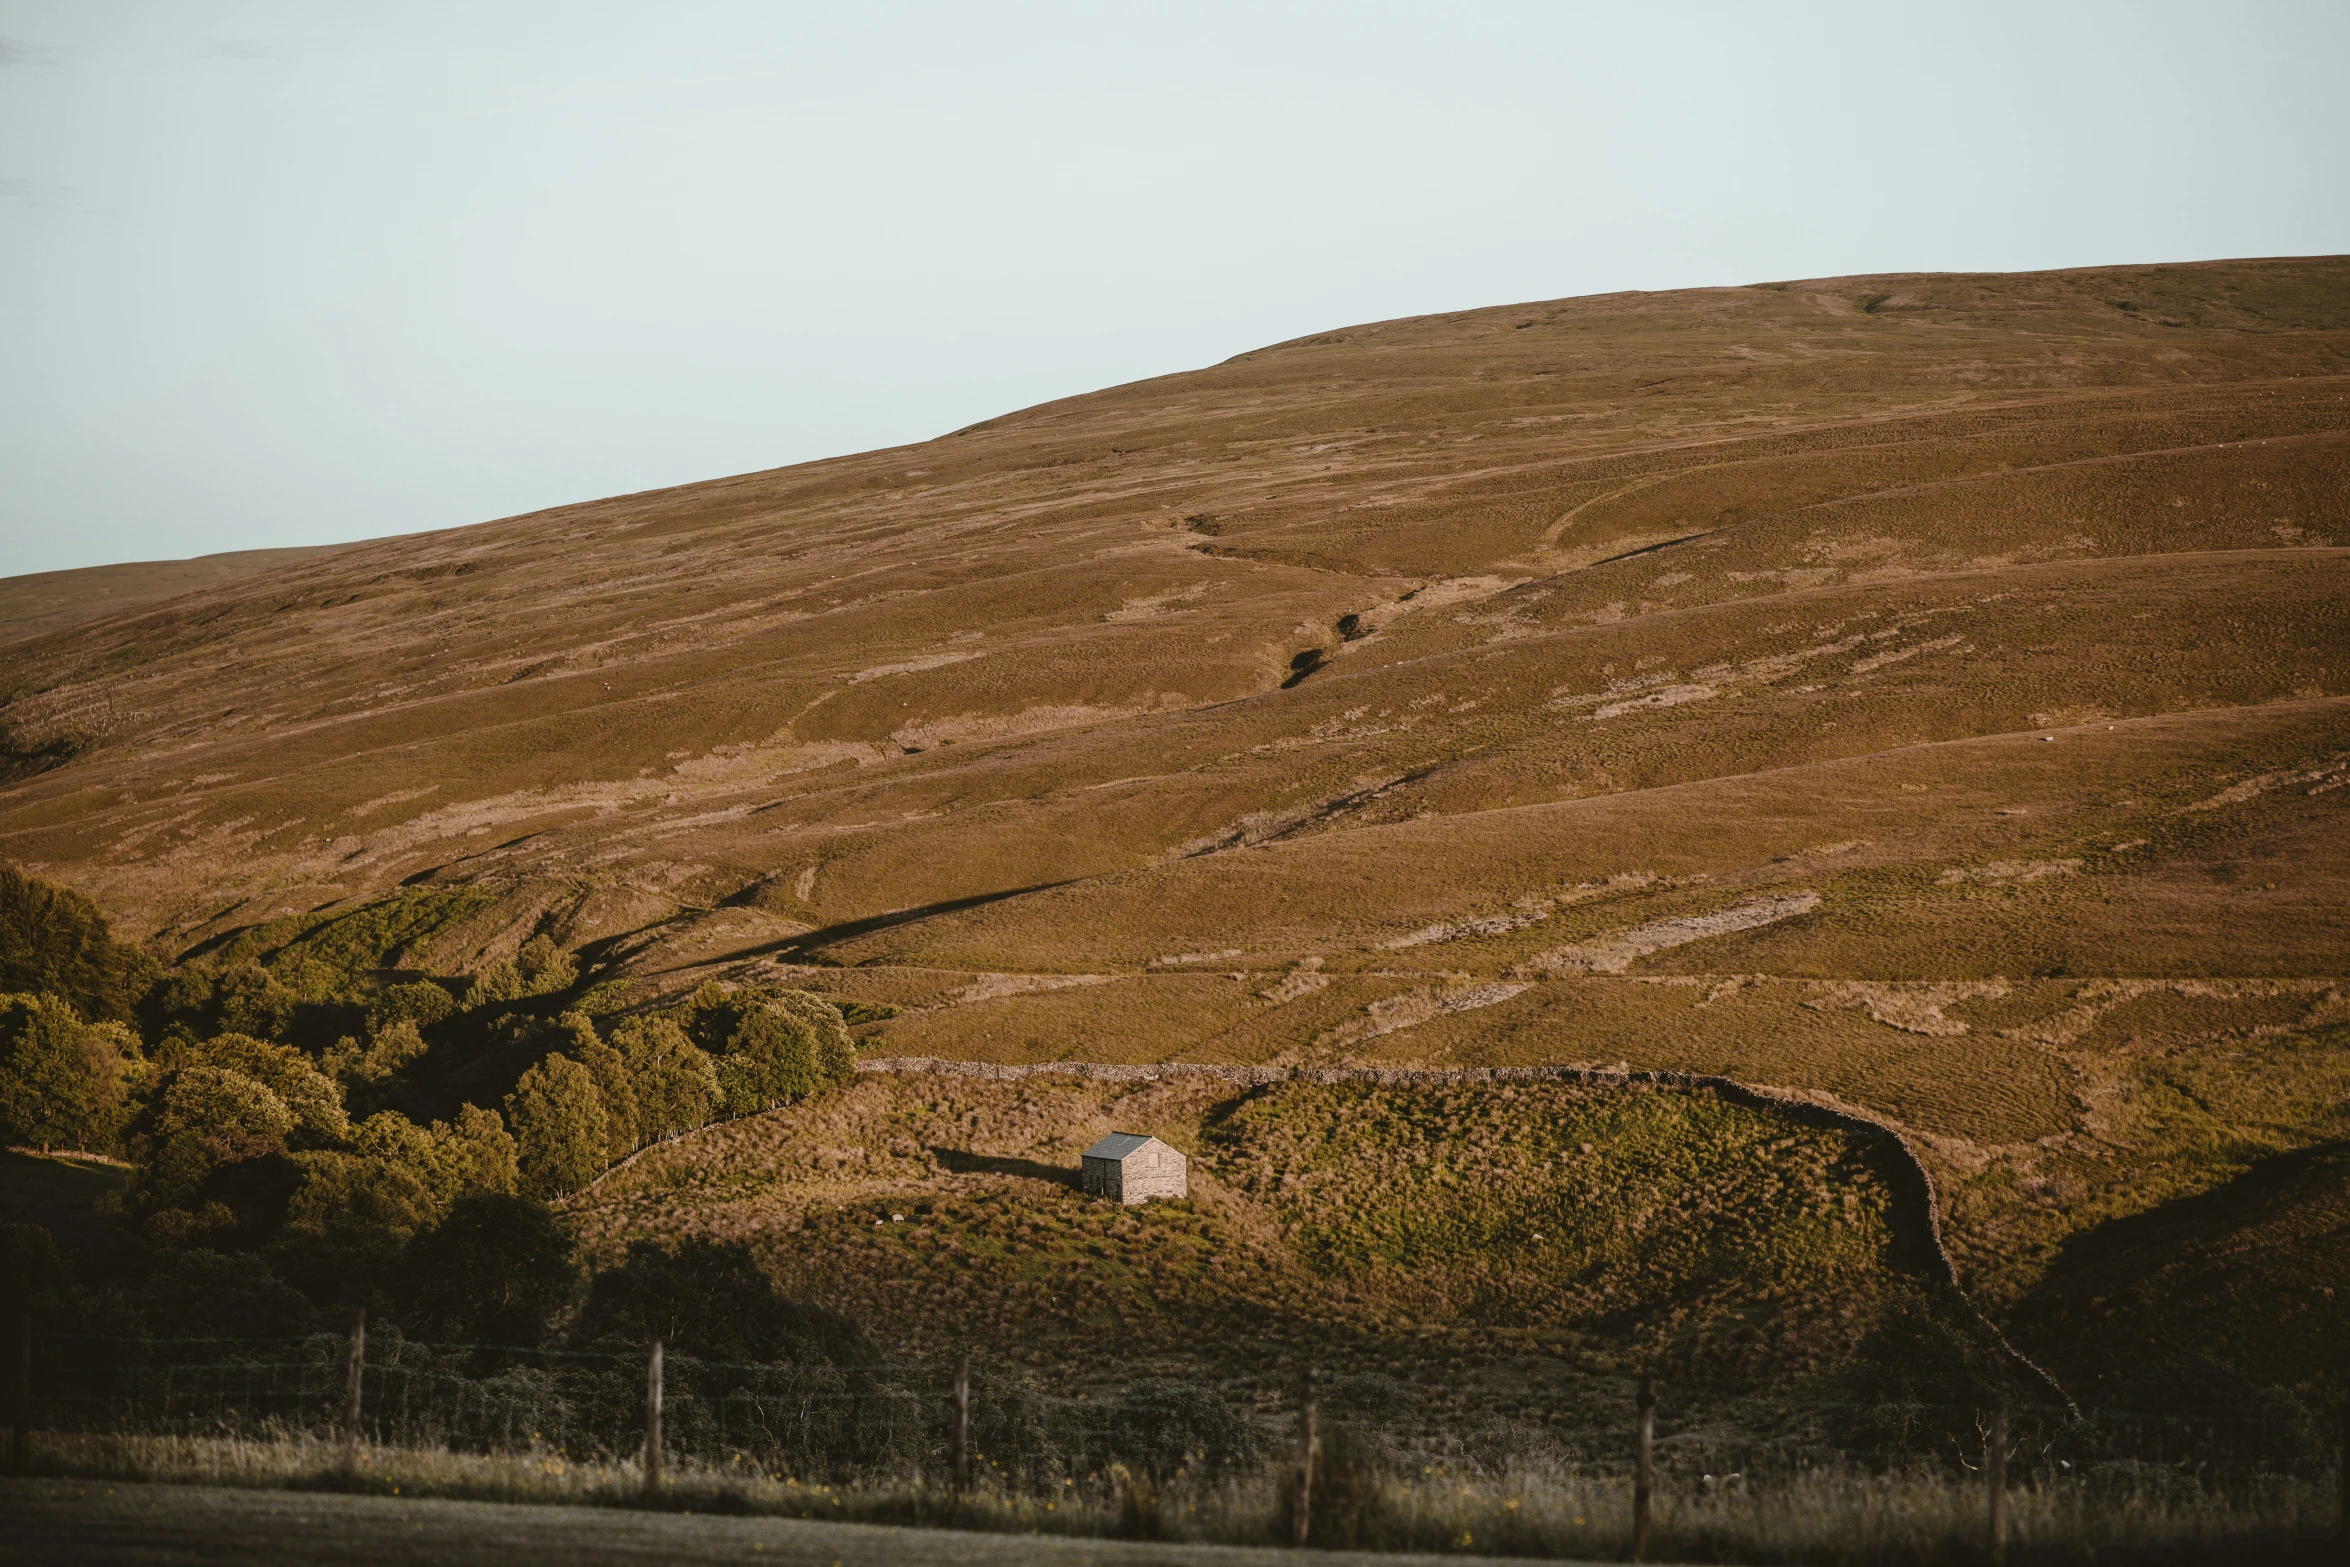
1532	1234
1831	1516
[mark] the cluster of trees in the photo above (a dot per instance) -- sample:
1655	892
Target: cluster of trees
253	1130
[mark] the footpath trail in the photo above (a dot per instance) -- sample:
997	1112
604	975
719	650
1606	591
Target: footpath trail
127	1525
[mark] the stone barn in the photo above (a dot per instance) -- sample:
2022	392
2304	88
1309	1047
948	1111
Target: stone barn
1130	1168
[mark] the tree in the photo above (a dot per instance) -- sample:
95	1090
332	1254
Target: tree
474	1155
228	1114
561	1129
612	1082
711	1299
63	1081
248	1000
497	1270
770	1059
366	1072
356	1212
539	969
54	940
772	1045
420	1002
314	1099
836	1048
674	1081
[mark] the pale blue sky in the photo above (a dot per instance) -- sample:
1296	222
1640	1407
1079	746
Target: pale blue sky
296	273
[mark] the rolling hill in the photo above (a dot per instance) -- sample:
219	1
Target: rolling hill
1926	694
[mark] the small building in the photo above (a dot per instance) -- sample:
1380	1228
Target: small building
1128	1167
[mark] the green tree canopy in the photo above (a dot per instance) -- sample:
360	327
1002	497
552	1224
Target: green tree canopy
63	1081
675	1081
561	1130
54	940
613	1082
773	1046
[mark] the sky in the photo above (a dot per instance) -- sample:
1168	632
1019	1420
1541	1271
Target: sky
276	274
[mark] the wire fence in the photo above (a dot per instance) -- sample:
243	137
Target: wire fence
903	1423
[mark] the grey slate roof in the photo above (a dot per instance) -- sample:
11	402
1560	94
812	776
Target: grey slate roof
1117	1145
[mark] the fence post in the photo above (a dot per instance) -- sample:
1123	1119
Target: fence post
653	1421
2345	1483
962	1427
1303	1522
354	1372
20	1447
1643	1464
1995	1466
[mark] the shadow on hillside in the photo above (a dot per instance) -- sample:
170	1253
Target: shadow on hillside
963	1162
2194	1303
809	942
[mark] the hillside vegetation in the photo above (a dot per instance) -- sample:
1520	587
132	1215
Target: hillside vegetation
1928	694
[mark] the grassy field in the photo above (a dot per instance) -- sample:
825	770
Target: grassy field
1483	1253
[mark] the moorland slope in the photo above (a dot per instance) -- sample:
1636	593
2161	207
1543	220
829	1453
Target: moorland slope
1928	693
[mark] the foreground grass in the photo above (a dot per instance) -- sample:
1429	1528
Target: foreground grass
1842	1516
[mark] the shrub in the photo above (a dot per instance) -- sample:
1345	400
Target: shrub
32	1275
208	1294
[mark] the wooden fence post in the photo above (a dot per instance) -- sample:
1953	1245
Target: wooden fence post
1303	1522
20	1396
2345	1482
1995	1466
962	1428
354	1375
1643	1465
653	1421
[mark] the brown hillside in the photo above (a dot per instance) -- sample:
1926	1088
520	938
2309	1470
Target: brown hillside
44	601
1931	691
